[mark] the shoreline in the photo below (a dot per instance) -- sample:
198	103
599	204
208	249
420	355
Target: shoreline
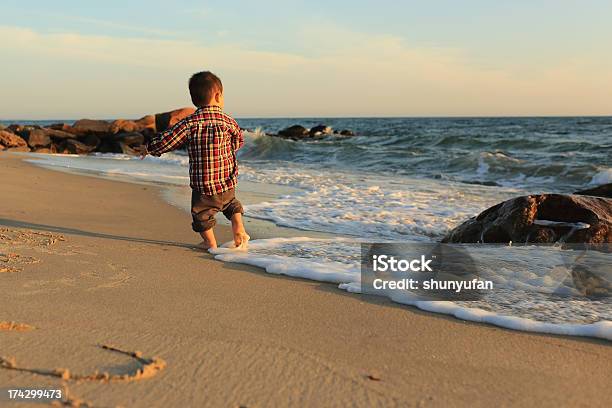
126	274
254	193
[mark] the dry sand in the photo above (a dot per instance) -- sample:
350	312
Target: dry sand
89	262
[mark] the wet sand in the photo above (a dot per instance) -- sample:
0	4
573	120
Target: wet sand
87	262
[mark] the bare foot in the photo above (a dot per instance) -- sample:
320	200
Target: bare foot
241	240
205	246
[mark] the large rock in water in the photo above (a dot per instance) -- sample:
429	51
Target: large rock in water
605	190
166	120
11	141
544	218
294	132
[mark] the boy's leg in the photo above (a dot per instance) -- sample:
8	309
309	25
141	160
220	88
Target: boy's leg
240	235
232	209
209	239
203	210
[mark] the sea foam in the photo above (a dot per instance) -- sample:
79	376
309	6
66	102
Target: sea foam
265	254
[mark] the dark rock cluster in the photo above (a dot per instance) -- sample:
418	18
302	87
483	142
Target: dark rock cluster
120	136
299	132
86	135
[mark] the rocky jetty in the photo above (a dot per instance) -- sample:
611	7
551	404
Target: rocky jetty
87	135
119	136
544	218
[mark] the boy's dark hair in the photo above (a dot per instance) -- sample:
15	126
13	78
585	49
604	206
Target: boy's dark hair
202	87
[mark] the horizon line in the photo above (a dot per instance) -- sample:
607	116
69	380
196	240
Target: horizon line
17	120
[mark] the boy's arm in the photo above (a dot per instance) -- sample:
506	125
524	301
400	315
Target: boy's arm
169	140
237	135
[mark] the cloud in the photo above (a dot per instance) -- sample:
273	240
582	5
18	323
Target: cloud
71	74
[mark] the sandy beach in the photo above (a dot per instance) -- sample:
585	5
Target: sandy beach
88	262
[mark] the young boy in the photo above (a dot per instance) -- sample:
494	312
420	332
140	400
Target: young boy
212	138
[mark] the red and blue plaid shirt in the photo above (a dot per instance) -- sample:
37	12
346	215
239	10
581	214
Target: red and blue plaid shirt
212	138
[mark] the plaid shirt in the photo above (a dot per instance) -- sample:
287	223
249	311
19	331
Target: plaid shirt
212	138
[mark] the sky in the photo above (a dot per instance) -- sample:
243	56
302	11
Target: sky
333	58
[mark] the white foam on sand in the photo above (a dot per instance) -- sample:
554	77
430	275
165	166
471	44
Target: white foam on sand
272	255
170	170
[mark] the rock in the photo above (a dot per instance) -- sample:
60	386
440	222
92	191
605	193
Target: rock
18	149
130	138
48	150
44	137
347	132
166	120
544	218
127	149
109	146
295	131
22	130
125	126
90	127
605	190
64	127
321	130
58	134
11	140
38	138
92	141
122	143
72	146
12	128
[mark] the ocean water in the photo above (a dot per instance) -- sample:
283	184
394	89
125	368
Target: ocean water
410	180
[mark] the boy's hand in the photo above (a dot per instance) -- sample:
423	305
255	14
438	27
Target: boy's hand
143	151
